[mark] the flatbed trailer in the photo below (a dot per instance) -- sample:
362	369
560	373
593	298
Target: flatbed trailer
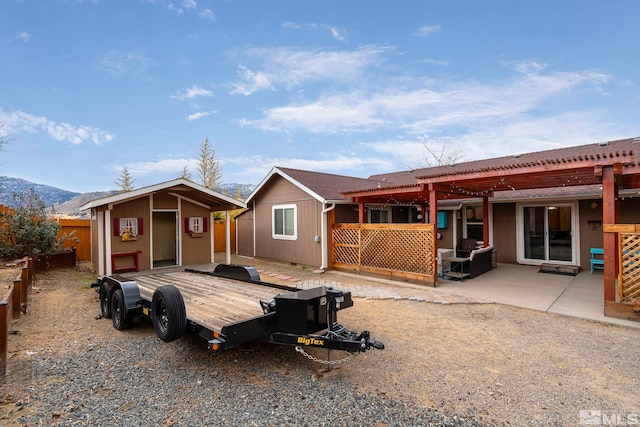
231	306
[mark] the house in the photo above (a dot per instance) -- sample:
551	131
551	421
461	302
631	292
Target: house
166	224
534	208
290	213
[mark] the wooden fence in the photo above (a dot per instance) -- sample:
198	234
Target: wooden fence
82	231
629	256
398	250
13	304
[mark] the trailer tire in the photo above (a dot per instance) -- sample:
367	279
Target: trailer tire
105	301
118	311
168	313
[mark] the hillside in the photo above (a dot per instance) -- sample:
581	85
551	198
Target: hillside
68	202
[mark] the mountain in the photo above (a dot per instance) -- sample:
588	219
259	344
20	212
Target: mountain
68	202
50	195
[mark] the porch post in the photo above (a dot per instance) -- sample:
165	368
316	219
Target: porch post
362	219
610	240
433	219
485	221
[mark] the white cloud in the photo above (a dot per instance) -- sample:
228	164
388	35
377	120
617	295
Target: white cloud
292	67
19	121
192	92
431	106
427	30
196	116
259	166
24	36
335	32
160	166
207	15
118	63
250	82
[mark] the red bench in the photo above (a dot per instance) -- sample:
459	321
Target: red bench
133	267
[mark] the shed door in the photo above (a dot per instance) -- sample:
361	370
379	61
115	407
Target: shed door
165	242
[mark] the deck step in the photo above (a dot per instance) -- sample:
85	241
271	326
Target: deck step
569	270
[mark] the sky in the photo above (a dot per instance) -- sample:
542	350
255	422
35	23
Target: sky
88	87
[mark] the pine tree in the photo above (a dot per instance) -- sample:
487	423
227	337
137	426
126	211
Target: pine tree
125	181
209	166
185	174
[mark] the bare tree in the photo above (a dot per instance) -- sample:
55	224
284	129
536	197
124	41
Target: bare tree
125	181
185	174
437	156
209	166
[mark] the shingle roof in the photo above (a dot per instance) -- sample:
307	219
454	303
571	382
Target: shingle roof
606	150
329	186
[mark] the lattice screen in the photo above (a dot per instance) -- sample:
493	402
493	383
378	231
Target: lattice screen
389	247
630	266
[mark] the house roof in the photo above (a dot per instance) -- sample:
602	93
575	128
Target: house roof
323	187
180	187
565	167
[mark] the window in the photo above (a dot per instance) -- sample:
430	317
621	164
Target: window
474	222
379	215
284	222
128	226
195	224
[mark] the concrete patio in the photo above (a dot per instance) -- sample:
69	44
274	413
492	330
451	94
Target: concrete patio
523	286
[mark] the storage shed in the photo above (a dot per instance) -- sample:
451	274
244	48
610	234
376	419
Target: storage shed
161	225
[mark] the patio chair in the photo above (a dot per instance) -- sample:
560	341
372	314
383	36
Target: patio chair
597	259
465	247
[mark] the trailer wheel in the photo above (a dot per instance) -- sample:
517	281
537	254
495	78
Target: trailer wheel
168	313
105	302
118	317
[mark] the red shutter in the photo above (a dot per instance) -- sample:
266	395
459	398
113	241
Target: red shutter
140	227
204	224
116	226
186	224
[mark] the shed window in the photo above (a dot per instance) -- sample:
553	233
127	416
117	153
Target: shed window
129	225
285	222
195	224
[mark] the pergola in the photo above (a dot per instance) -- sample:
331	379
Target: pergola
612	165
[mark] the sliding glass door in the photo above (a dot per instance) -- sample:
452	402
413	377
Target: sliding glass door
547	233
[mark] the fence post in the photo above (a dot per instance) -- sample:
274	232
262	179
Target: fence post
32	270
16	296
24	278
5	322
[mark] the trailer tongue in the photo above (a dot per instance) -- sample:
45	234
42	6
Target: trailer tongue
303	318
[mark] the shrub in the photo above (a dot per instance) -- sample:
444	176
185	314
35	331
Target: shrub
27	230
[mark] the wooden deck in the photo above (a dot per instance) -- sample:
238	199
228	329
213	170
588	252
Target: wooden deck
212	302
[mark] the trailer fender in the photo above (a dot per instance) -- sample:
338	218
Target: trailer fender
130	293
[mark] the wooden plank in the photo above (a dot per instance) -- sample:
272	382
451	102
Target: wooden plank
620	311
621	228
212	302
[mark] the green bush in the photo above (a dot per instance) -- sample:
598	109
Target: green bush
28	230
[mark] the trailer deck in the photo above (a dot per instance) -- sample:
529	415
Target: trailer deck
212	302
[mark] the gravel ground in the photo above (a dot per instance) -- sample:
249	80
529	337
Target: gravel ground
444	365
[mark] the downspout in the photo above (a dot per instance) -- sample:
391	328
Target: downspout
324	233
254	228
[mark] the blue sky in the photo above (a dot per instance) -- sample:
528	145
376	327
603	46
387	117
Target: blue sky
347	87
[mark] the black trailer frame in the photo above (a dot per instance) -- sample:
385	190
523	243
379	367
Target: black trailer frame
304	318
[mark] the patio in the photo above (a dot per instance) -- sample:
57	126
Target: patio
523	286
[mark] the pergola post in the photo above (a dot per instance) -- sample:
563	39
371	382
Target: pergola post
610	215
485	221
362	219
433	219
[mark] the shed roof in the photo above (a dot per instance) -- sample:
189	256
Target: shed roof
179	187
